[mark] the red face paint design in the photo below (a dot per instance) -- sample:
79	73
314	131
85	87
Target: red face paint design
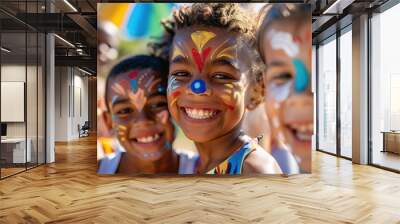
124	83
133	74
200	58
297	39
175	94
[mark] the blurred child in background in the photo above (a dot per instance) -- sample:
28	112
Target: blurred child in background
137	113
284	41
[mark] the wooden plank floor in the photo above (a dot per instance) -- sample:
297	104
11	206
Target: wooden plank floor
69	191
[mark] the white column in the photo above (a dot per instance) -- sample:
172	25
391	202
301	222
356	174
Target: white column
360	90
50	98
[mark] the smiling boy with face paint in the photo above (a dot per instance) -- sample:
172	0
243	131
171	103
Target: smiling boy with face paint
210	85
284	41
138	115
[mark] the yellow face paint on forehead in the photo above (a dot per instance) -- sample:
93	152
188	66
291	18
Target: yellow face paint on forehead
200	38
177	52
227	52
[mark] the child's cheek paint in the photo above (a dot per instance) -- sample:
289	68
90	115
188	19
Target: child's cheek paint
230	96
279	92
122	132
163	116
173	89
302	77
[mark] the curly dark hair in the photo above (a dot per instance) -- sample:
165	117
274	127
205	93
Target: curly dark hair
228	16
292	12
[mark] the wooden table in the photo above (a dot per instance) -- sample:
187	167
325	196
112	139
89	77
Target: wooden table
391	141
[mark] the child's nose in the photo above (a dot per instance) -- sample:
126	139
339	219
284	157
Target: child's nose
300	101
198	87
144	117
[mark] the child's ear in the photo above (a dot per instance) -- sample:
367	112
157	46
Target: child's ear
107	119
255	93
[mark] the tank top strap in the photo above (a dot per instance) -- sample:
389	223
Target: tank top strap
234	163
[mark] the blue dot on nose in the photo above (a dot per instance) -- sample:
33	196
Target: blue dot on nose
198	86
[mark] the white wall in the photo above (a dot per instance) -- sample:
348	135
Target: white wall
33	127
71	94
12	73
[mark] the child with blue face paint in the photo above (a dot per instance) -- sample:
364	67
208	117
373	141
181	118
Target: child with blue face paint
284	42
212	80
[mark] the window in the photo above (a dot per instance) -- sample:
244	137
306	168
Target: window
385	89
346	93
327	96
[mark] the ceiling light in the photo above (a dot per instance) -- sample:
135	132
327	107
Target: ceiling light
65	41
70	5
5	50
84	71
338	6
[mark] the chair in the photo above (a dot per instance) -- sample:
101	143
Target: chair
84	130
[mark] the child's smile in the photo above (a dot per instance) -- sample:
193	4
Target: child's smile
207	82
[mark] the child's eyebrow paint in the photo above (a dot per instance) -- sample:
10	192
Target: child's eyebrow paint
177	52
114	98
301	78
149	82
118	89
283	41
226	53
198	86
141	77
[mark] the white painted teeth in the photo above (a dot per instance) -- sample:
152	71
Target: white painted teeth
200	113
148	139
303	136
303	131
303	127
